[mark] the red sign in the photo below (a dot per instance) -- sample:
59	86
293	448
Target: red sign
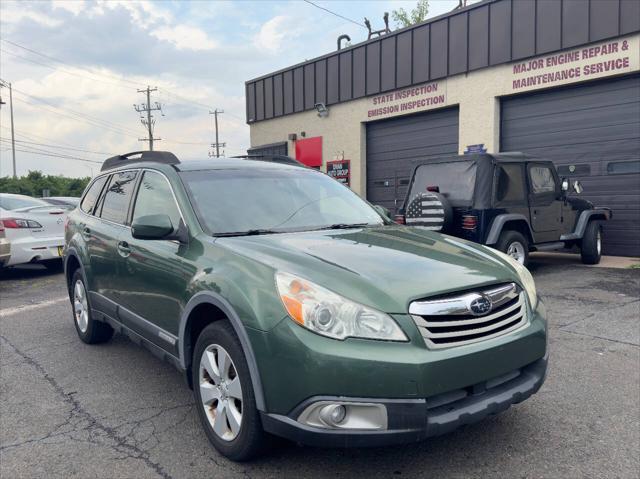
340	170
309	151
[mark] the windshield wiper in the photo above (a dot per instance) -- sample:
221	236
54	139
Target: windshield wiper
343	226
253	232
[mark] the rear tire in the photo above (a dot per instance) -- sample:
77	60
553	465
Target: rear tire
514	244
591	245
89	330
228	410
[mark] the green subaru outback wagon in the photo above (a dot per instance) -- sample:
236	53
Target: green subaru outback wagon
295	308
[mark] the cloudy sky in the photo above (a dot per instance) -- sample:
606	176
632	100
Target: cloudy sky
76	66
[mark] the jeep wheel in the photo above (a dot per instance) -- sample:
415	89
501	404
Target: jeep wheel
514	244
224	394
591	245
89	330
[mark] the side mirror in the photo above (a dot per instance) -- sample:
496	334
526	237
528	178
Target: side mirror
152	227
565	185
382	211
577	187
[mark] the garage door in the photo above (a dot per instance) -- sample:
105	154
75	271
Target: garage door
592	133
395	145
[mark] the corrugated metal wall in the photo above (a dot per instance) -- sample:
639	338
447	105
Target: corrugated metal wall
479	36
595	128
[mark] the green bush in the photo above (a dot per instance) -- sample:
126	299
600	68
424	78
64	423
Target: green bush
35	182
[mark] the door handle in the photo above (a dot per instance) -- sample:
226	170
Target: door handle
123	249
86	231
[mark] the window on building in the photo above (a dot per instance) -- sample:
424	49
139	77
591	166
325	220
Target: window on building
90	199
155	197
510	184
541	179
623	167
574	170
115	204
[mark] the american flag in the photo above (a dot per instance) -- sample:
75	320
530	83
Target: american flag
425	209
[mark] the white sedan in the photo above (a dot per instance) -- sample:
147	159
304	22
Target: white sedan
34	228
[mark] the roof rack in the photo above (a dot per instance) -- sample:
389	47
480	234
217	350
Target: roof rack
283	159
165	157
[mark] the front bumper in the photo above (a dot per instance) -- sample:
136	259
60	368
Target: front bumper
418	419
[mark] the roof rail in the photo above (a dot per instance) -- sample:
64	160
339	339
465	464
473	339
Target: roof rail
165	157
283	159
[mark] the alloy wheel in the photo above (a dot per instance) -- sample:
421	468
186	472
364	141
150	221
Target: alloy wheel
516	251
220	392
80	306
599	242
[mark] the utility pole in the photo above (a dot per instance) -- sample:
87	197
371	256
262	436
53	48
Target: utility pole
217	144
148	122
13	139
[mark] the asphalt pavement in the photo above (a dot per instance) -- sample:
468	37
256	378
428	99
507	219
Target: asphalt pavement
70	410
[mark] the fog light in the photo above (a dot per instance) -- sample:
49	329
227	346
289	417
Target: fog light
333	414
340	414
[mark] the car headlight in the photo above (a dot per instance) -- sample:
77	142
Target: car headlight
329	314
526	279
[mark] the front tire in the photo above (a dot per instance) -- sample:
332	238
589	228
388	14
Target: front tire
89	330
224	393
514	244
591	246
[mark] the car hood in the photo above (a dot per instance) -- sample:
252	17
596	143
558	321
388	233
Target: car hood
384	267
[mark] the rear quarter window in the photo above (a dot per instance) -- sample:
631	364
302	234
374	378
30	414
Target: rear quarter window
510	185
93	193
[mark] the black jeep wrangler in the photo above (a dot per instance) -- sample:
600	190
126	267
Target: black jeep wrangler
509	201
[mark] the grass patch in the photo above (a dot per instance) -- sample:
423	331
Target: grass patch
635	266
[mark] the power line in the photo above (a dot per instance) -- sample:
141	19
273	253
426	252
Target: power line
133	82
34	137
184	99
334	13
78	119
30	60
61	147
83	115
39	151
150	121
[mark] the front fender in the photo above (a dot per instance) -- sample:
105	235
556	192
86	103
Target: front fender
221	303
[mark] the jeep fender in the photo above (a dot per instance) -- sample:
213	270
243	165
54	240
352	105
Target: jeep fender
221	303
498	225
583	220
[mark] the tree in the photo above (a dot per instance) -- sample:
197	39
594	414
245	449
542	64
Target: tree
417	15
35	182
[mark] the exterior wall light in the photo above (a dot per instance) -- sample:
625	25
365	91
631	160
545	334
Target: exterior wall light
322	110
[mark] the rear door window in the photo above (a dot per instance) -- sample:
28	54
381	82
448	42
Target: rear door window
115	203
510	185
91	197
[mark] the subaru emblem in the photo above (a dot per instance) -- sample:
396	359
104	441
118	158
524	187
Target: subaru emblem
480	305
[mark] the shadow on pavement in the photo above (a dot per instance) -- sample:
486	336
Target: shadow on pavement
28	271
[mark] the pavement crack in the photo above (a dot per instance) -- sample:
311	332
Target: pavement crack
95	425
589	316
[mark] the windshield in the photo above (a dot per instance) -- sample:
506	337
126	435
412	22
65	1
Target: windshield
17	202
273	200
456	180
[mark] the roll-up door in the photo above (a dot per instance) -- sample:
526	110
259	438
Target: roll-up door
592	133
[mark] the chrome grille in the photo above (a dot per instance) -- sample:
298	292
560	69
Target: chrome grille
455	320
